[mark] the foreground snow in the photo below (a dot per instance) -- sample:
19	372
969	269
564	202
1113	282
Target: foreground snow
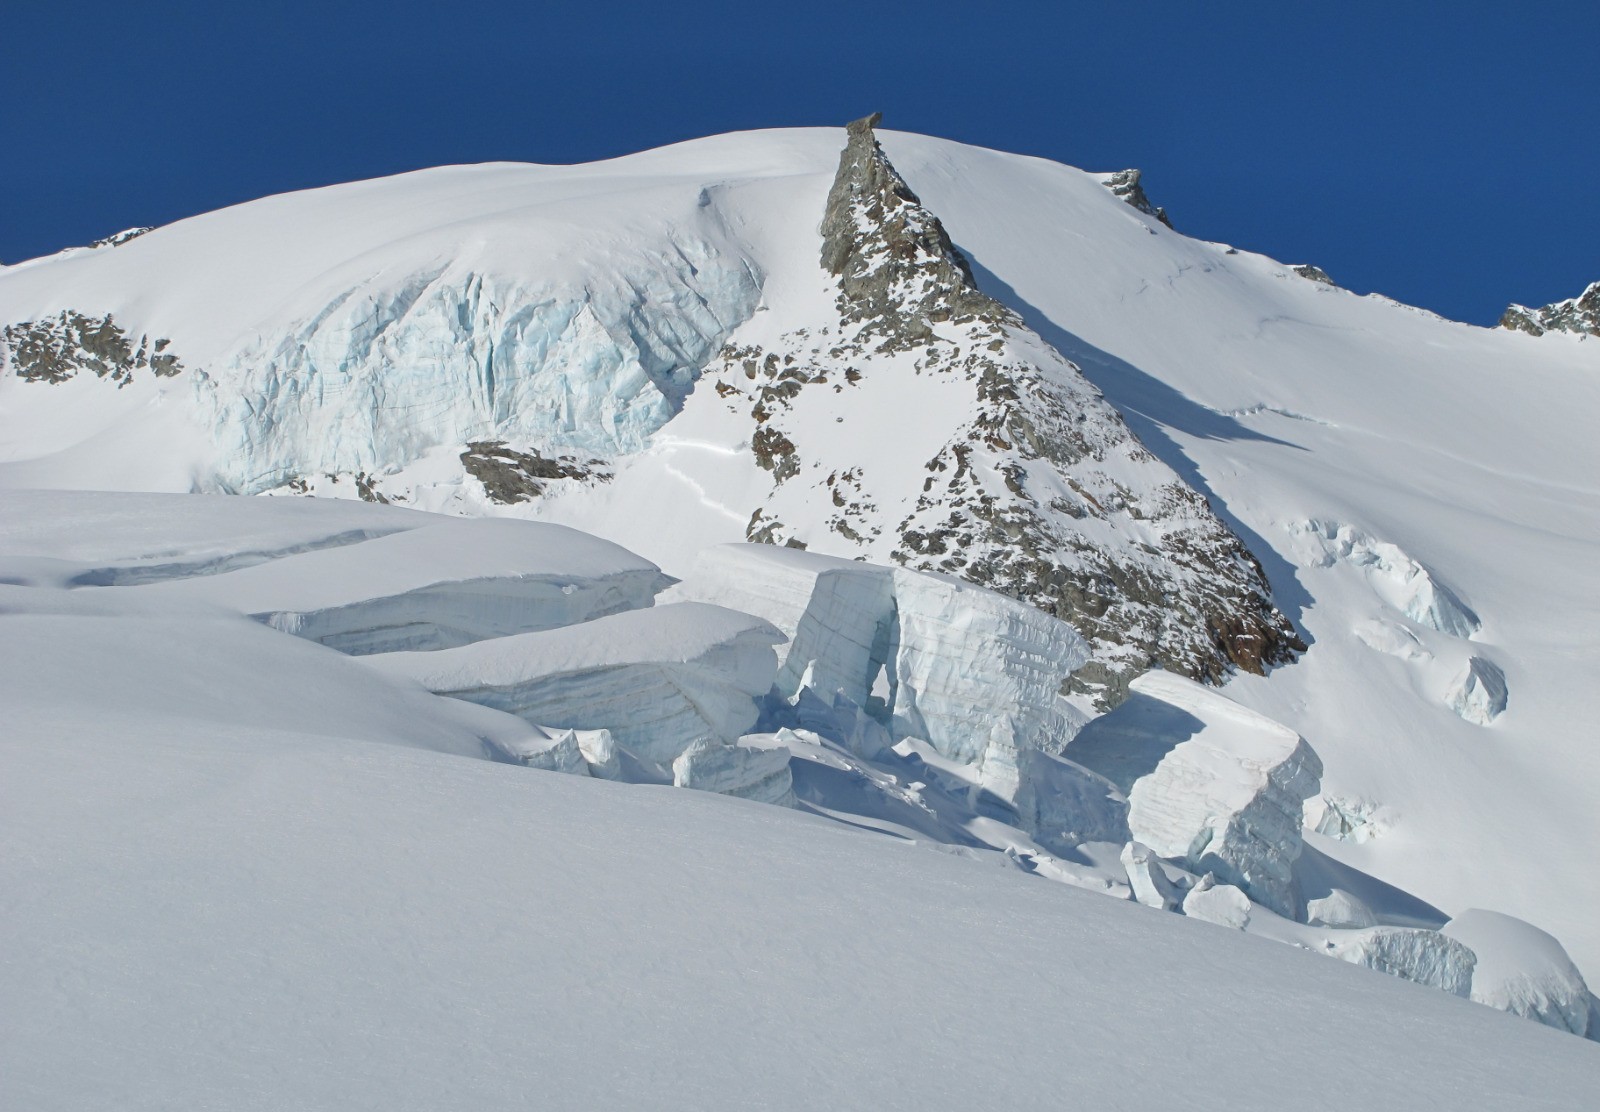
244	917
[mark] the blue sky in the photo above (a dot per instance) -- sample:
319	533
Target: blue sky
1442	154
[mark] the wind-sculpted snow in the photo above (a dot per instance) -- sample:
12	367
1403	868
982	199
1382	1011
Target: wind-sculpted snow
1209	783
439	586
658	679
1522	970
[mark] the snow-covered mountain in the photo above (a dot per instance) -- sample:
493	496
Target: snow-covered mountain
1379	529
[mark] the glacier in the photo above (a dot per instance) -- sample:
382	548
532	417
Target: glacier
659	679
1210	783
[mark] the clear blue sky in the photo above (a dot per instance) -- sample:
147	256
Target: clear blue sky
1444	154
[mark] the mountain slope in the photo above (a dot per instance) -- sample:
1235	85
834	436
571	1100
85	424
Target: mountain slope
1419	493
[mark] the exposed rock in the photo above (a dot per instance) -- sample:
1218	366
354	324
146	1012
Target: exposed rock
1315	273
1041	491
1579	314
119	238
1126	184
509	475
1478	693
54	349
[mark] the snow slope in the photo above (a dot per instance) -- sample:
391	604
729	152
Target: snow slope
1368	453
239	916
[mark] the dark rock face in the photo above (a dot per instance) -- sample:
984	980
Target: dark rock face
121	237
57	348
1579	314
1125	184
1042	492
1315	273
509	475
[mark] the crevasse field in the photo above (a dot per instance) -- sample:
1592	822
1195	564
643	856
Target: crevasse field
315	803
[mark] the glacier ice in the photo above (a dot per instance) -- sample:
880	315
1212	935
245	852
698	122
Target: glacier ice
659	679
1401	581
746	770
439	586
964	667
835	612
1226	905
1148	879
1340	909
1478	692
1210	783
391	366
1410	953
1522	970
553	752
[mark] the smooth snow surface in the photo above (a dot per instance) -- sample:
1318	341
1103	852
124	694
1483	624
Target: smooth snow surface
249	918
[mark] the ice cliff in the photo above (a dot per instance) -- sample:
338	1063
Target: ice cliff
659	680
1210	783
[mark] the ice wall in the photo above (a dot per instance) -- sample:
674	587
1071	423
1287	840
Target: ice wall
658	679
392	366
1210	783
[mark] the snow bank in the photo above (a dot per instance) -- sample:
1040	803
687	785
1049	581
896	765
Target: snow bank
659	679
440	586
1412	954
1522	970
1209	782
1478	692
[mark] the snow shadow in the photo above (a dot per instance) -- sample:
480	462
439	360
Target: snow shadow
1131	740
1151	408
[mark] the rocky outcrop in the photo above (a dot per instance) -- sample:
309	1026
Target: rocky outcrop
1039	490
1579	314
509	476
1314	273
1126	185
119	238
55	349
